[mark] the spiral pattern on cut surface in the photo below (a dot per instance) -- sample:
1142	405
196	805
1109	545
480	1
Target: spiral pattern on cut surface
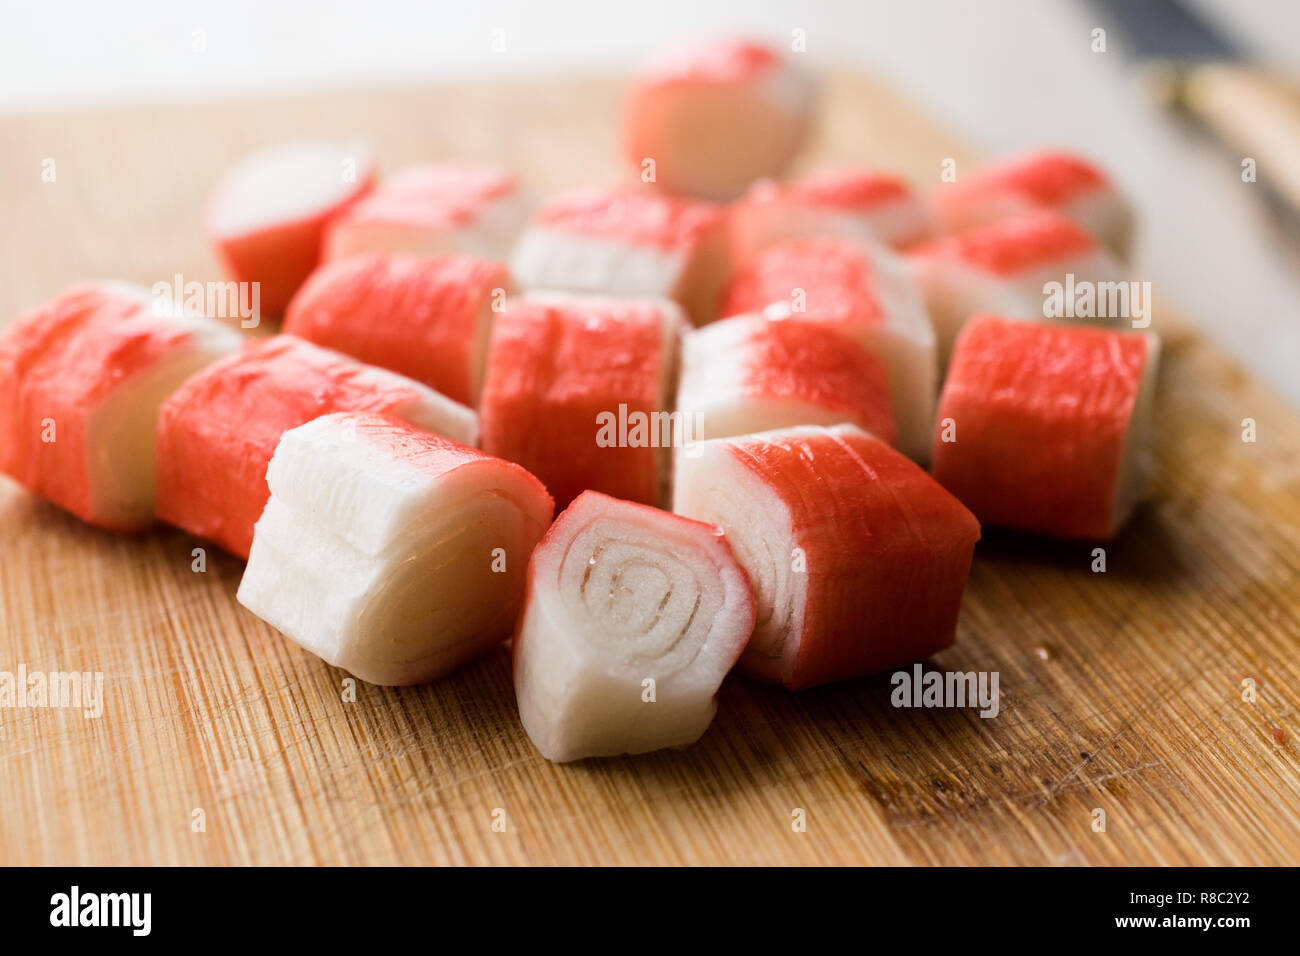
638	595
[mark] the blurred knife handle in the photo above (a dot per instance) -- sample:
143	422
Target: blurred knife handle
1256	114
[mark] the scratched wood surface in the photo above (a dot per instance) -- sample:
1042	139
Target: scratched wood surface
1121	691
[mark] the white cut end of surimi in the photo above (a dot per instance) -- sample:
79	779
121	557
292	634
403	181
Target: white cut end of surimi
122	430
267	218
287	184
1137	461
389	552
1106	215
714	485
633	618
715	116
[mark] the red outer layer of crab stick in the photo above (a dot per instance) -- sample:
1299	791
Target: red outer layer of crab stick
869	295
267	218
389	551
435	210
1044	427
858	558
750	373
849	204
577	389
427	318
1002	268
1039	180
81	379
627	242
708	118
218	431
633	617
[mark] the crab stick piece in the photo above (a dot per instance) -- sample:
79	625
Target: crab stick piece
628	242
633	617
435	210
751	373
578	391
714	116
428	319
858	558
267	217
861	206
1041	180
392	553
1002	268
866	294
218	431
81	380
1044	427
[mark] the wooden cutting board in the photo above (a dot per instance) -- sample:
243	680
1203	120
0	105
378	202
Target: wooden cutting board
1121	691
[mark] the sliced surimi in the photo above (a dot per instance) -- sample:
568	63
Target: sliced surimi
849	204
579	389
1045	427
627	242
708	118
81	380
868	295
857	557
751	373
391	552
427	318
1040	180
435	210
1003	267
267	218
218	431
633	618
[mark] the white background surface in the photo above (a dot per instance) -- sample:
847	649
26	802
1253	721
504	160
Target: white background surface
1003	73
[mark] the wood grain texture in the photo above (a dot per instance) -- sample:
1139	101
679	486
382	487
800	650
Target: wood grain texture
1120	691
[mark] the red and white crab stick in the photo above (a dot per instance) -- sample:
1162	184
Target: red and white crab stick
81	379
867	294
633	617
1044	427
391	552
218	431
858	558
751	373
435	210
578	391
1002	268
627	242
714	116
267	217
429	319
1040	180
849	204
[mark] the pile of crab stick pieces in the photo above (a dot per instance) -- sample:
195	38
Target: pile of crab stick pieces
708	418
